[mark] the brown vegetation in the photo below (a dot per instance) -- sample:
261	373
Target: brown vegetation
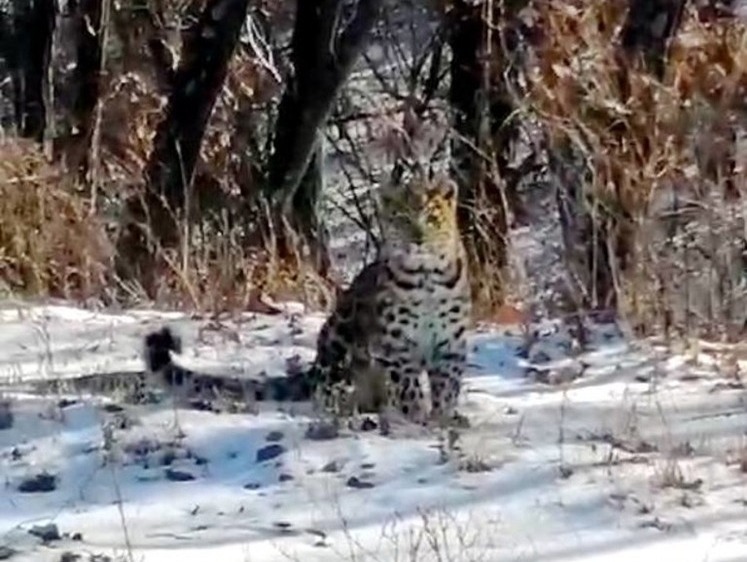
634	124
642	139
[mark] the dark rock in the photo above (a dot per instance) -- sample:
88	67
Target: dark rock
6	414
562	375
355	482
47	533
274	436
368	424
66	403
158	345
175	475
294	366
122	421
291	388
252	486
68	556
285	477
76	537
474	465
168	458
6	552
541	357
331	466
42	482
270	452
142	447
322	431
201	405
112	408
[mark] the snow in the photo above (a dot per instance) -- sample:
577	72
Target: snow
636	454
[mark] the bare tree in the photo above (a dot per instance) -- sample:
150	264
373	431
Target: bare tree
85	81
648	30
206	52
328	38
207	46
483	37
142	32
27	51
597	239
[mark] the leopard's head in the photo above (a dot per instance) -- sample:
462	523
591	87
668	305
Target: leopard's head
422	211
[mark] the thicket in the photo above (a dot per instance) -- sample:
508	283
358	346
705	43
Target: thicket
194	153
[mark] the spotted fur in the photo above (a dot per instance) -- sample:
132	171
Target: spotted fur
395	341
164	378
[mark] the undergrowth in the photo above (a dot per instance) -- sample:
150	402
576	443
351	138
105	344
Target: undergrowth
658	166
50	244
656	156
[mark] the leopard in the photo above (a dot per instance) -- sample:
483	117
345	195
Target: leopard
395	343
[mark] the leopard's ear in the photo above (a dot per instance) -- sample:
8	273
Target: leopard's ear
390	198
444	186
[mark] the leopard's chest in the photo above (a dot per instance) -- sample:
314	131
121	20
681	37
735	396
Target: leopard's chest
428	325
421	302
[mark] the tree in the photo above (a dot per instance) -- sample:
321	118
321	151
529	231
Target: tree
325	46
27	50
648	30
86	81
597	239
207	47
483	131
206	52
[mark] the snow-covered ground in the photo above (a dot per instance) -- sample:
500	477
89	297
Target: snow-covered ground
614	453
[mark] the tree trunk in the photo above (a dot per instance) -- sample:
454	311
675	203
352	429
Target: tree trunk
207	49
145	41
586	234
7	95
86	82
305	210
482	108
28	53
323	56
648	30
712	10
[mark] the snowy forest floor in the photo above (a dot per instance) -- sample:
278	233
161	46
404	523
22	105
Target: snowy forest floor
619	450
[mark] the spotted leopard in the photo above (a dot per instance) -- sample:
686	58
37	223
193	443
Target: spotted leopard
395	342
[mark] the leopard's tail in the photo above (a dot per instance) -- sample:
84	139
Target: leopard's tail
161	347
163	375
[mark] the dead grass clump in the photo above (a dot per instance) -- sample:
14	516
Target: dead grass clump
215	269
645	144
49	244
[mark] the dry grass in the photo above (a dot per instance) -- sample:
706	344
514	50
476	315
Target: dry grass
643	142
49	243
53	241
636	131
